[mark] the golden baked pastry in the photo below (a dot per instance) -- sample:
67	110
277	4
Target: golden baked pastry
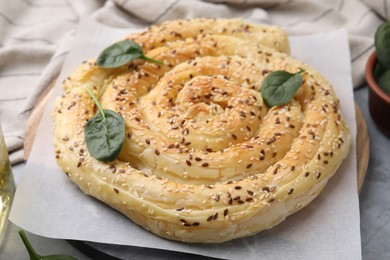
204	158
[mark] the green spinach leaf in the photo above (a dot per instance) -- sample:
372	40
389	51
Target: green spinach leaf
382	45
104	133
35	256
378	71
384	82
121	53
279	87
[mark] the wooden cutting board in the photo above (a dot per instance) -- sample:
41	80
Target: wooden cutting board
362	138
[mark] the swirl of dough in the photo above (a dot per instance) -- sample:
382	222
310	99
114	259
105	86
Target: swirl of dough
204	159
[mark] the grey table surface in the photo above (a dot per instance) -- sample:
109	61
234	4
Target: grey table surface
374	209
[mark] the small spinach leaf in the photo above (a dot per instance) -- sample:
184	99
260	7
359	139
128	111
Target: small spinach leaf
280	86
35	256
382	45
378	71
384	82
104	133
121	53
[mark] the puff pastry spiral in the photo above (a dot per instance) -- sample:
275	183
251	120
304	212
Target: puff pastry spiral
204	158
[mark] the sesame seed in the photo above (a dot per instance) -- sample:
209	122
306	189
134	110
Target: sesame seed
307	174
271	140
205	165
116	190
113	168
290	191
195	224
326	162
225	212
210	218
157	152
249	166
180	209
237	187
215	216
188	162
71	105
292	168
198	159
147	141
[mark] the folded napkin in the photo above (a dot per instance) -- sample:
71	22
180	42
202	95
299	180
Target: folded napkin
35	36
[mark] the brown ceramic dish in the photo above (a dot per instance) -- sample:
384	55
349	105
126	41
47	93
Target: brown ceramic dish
379	101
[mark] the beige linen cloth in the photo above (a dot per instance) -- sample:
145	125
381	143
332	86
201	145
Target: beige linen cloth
35	36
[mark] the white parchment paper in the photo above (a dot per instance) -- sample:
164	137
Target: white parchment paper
48	204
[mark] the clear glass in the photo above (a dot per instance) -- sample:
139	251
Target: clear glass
7	186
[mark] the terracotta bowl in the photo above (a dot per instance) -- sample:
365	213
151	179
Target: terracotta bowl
378	100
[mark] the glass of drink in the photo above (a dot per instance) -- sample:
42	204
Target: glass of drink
7	186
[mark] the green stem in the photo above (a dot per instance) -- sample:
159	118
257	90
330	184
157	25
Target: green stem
96	102
33	254
151	60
